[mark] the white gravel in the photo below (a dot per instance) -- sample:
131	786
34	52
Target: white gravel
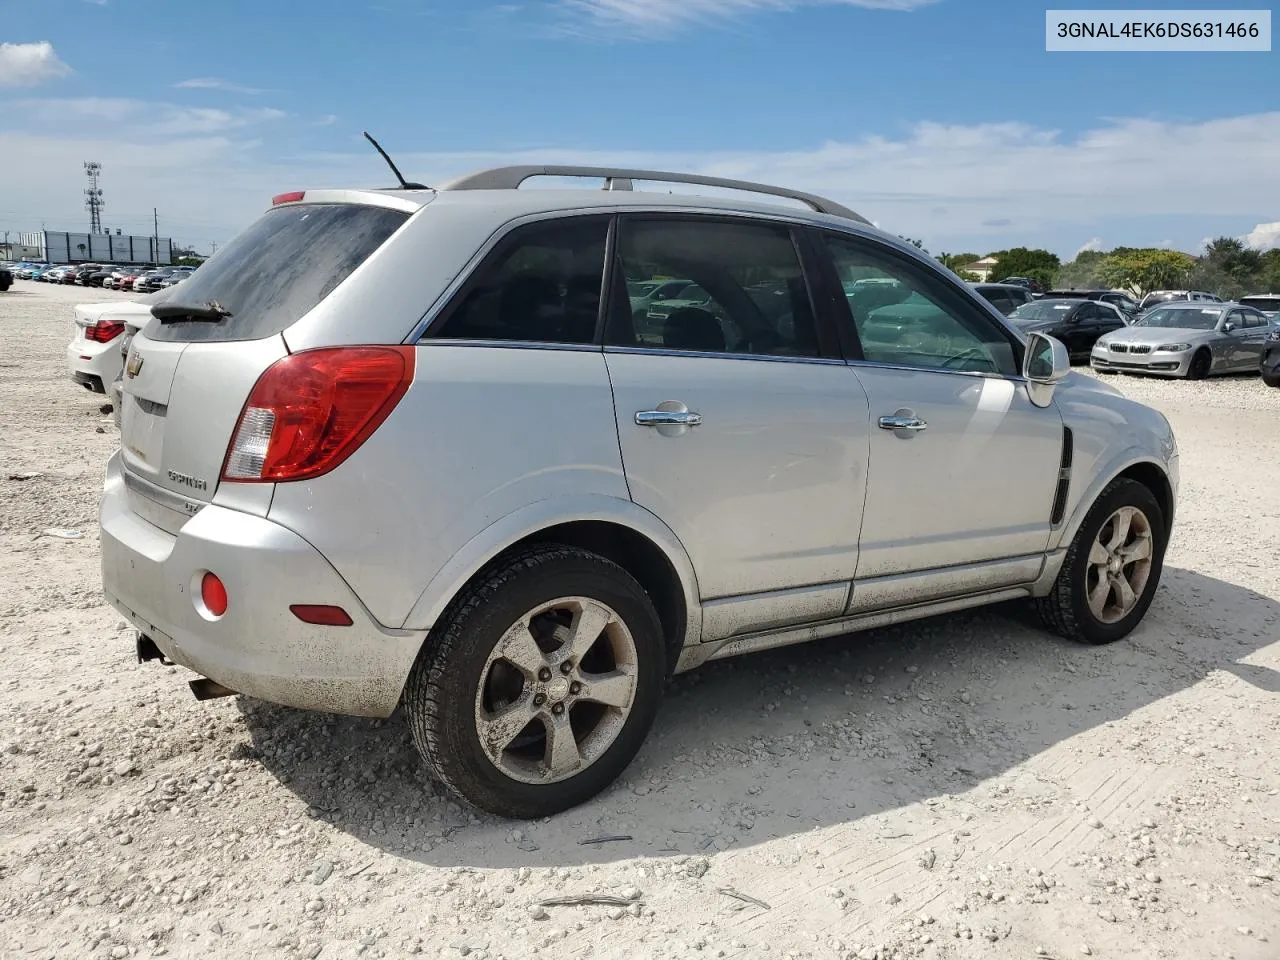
965	787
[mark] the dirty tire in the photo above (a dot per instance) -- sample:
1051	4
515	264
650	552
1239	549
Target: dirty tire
1271	379
440	696
1066	610
1198	369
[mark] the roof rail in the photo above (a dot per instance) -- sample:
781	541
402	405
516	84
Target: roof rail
510	178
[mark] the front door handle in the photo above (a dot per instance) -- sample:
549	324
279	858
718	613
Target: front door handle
667	418
902	423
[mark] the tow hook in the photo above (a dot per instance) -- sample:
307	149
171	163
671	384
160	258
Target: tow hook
147	650
206	689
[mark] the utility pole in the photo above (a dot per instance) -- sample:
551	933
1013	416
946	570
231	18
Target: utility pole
155	216
93	196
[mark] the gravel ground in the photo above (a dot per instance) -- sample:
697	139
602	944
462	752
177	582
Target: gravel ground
964	787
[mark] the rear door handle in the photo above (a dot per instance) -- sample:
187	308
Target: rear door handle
902	423
667	418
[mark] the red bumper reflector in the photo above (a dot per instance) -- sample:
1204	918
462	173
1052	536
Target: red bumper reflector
214	594
321	614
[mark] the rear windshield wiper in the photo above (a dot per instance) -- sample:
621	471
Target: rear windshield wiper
211	312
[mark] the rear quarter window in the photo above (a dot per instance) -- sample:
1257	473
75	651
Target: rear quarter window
278	269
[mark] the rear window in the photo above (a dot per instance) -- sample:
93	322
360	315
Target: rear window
1265	304
275	271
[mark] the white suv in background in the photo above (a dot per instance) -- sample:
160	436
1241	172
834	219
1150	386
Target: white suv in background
411	447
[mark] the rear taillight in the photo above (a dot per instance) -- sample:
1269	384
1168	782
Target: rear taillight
104	331
310	411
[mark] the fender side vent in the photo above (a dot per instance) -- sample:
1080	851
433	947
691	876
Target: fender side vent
1064	477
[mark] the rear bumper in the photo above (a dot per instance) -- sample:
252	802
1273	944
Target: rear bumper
258	647
94	365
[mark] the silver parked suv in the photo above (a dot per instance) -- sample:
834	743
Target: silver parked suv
414	447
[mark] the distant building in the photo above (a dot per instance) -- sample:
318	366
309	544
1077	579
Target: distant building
981	268
58	246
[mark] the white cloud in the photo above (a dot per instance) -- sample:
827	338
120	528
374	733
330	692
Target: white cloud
655	17
140	118
1093	244
210	171
1265	236
29	64
216	83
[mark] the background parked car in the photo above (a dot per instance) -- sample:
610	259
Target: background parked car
1156	297
1077	323
152	280
98	277
85	270
1268	303
179	274
1005	297
1119	299
1192	340
1024	282
1271	358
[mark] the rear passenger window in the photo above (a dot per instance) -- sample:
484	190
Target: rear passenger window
905	316
744	292
541	285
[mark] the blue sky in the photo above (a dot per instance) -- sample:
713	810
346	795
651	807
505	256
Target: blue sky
940	119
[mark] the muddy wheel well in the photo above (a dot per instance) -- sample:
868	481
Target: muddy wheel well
1154	479
640	557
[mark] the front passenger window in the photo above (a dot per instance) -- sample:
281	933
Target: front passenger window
905	316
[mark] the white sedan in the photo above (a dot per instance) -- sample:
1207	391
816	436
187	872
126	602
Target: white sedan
94	355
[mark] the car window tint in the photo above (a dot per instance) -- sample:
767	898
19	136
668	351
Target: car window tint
278	269
904	315
541	285
745	292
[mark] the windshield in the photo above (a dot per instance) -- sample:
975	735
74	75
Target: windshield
1203	319
279	268
637	288
1044	310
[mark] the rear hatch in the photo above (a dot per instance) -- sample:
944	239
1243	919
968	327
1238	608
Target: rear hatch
190	369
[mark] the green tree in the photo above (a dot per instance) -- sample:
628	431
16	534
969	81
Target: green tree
1229	269
1144	270
1084	271
1038	265
1269	277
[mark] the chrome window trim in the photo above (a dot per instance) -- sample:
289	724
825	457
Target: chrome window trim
798	219
1012	378
508	344
720	355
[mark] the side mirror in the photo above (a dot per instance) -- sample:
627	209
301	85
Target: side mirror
1228	327
1045	364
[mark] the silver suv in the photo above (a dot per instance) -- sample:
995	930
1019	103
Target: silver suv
408	447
